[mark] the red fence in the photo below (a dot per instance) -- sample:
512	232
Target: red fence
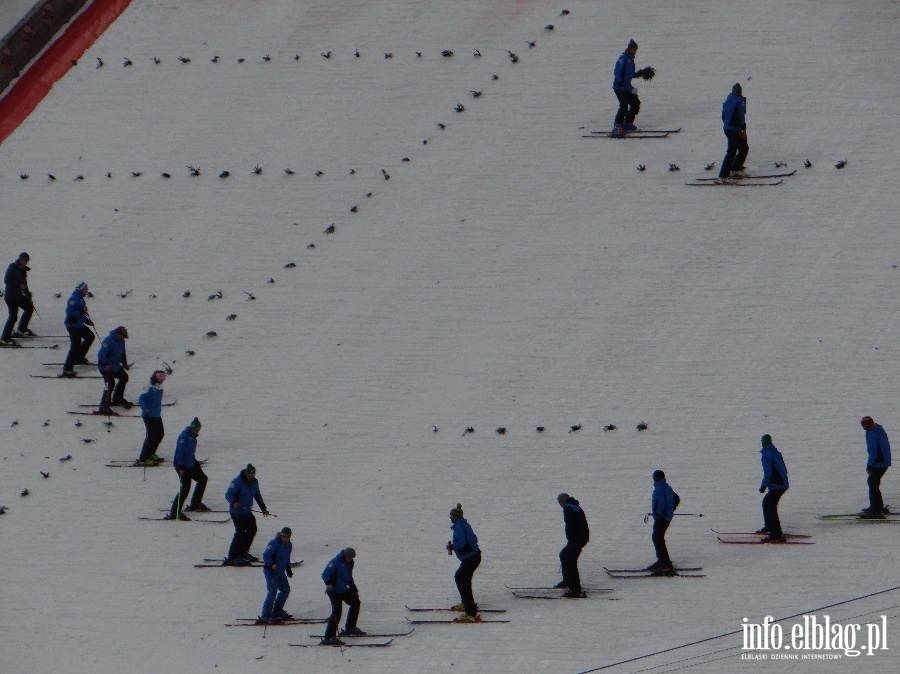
34	32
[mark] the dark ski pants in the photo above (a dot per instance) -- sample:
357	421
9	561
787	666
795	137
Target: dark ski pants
876	502
568	557
277	591
463	578
244	533
155	434
771	522
659	541
80	340
197	475
113	387
14	305
338	599
736	154
629	107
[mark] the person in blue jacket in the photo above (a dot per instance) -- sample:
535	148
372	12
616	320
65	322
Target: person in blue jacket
150	402
188	468
341	589
77	324
662	509
879	460
277	570
112	362
629	103
577	536
775	480
465	544
734	123
243	490
17	296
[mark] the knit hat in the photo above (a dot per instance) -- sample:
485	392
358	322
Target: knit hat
122	331
765	440
867	422
250	470
458	511
82	287
286	532
195	424
158	377
632	45
736	89
658	475
349	553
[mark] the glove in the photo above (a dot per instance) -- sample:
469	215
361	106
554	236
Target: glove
743	134
762	490
264	512
290	572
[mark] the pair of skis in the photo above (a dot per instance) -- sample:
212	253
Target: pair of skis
886	518
290	622
682	572
452	621
762	180
634	135
545	592
754	538
211	563
354	640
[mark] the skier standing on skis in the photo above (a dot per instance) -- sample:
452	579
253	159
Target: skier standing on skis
879	460
188	468
775	479
150	402
277	570
626	93
662	508
465	545
341	589
78	326
243	490
17	296
112	362
734	123
577	536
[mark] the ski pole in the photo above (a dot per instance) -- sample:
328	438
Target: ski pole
178	512
93	327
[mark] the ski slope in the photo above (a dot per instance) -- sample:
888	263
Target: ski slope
509	274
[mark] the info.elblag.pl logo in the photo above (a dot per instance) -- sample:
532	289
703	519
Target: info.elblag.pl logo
813	638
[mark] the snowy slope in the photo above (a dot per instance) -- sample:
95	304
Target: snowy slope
509	274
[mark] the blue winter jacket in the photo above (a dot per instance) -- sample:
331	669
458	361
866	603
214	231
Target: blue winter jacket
76	311
244	493
734	110
879	448
662	504
185	450
577	531
339	574
111	352
623	71
775	475
279	554
465	542
150	402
